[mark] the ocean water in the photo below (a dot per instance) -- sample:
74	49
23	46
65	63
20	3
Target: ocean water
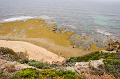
97	17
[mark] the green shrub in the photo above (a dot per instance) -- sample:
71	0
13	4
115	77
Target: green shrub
52	73
27	74
112	66
38	64
10	55
59	74
45	74
94	56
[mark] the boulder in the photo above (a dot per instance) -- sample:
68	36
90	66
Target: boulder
86	67
96	63
81	67
113	45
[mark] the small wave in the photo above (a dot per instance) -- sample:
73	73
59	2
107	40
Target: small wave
17	18
46	17
69	26
103	32
23	18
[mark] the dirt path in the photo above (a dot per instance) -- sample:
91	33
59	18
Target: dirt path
34	52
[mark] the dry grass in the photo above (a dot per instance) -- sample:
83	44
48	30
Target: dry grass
10	68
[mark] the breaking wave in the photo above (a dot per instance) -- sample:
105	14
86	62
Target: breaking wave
23	18
104	32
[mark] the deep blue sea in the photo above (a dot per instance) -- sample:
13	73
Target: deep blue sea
84	16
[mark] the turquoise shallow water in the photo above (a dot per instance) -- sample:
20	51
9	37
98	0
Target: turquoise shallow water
97	17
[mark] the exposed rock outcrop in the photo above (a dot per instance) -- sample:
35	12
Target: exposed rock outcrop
92	70
86	67
113	45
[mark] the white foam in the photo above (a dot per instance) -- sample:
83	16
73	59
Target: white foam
23	18
17	18
103	32
69	26
45	17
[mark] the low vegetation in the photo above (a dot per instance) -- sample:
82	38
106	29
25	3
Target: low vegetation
41	65
45	74
54	71
3	75
112	66
111	61
10	55
94	56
